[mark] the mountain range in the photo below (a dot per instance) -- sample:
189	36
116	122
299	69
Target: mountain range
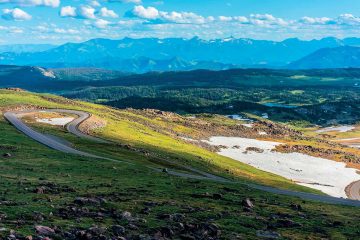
20	48
339	57
177	54
73	79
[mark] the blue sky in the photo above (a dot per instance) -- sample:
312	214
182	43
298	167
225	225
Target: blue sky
60	21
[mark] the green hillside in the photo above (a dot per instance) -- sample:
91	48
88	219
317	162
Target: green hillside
83	198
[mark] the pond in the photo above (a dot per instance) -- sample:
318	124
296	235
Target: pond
279	105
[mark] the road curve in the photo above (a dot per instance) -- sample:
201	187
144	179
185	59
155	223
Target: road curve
353	190
308	196
73	126
14	119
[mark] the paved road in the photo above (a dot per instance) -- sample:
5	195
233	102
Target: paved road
353	190
14	118
73	126
308	196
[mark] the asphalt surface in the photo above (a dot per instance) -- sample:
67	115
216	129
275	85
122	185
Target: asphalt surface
73	127
15	119
353	190
308	196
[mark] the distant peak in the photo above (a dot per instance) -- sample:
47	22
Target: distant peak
292	40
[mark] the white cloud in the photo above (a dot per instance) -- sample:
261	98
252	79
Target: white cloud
343	19
15	30
66	31
348	19
12	29
225	18
156	16
310	20
127	1
132	1
82	12
158	3
264	17
42	28
146	13
95	4
255	19
68	11
104	12
15	14
59	37
100	23
129	23
86	12
183	17
47	3
52	28
152	21
266	20
241	19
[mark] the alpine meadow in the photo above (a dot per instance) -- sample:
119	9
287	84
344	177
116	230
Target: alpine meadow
161	120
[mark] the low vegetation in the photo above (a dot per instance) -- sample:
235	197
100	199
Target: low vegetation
48	193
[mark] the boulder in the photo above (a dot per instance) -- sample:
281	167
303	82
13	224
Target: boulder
268	234
126	215
247	203
217	196
44	230
118	230
40	190
286	223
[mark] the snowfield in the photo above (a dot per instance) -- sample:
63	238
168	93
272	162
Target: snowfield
341	129
55	121
328	176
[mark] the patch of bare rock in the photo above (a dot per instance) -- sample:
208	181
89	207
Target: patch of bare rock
15	89
327	153
91	124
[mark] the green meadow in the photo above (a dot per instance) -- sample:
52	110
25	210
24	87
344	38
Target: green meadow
141	143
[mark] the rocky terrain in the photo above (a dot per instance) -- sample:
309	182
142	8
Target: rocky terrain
206	126
47	194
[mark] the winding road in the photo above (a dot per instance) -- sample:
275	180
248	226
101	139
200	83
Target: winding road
73	127
15	119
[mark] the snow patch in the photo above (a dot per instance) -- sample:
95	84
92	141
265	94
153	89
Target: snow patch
322	174
55	121
265	116
238	117
46	73
189	139
341	129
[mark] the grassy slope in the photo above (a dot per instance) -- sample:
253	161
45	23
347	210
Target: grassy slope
122	128
129	187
